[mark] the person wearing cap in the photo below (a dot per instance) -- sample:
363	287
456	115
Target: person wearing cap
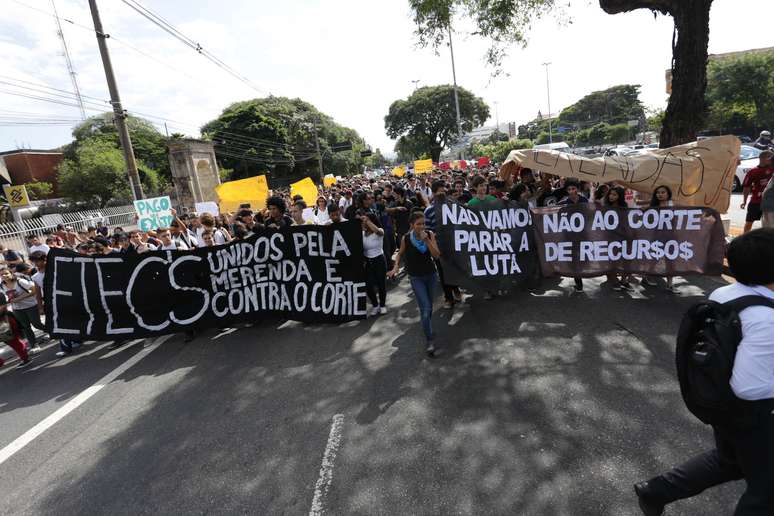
9	257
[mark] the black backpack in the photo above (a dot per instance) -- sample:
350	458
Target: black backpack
709	335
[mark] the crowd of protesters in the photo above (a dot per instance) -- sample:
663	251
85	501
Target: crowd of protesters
398	224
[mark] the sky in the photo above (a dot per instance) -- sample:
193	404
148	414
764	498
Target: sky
350	58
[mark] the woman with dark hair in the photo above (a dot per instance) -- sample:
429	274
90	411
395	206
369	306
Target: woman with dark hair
277	218
375	263
600	194
616	198
418	246
519	193
662	198
321	211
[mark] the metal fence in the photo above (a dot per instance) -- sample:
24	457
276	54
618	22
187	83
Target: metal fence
12	234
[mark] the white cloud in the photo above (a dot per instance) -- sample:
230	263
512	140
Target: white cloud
351	58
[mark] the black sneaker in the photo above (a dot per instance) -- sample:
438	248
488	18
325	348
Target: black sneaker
648	506
430	350
24	364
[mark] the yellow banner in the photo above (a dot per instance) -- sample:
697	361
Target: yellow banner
698	173
306	189
399	171
329	180
423	166
253	190
16	195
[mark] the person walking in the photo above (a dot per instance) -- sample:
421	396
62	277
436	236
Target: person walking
375	263
755	183
418	246
451	293
741	451
767	205
21	295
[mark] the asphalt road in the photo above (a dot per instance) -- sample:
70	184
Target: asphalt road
545	403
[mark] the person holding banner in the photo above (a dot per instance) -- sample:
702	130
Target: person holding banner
375	263
662	198
573	198
419	248
451	293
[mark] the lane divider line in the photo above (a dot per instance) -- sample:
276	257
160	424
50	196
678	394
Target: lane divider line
30	435
326	469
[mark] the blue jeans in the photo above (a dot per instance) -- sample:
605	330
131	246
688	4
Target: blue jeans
423	291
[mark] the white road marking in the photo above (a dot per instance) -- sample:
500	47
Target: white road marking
326	470
30	435
119	349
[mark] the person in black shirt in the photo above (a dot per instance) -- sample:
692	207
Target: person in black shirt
400	209
277	217
418	246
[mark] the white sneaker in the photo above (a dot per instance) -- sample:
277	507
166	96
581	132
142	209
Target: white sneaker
61	354
382	310
34	350
375	310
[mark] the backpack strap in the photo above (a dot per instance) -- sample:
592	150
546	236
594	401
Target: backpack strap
743	302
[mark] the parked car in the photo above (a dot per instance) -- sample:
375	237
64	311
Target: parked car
619	151
748	157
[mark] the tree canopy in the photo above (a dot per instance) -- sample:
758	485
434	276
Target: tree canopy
277	135
740	92
505	22
96	174
426	122
615	105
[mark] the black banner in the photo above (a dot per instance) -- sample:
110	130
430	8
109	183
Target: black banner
585	240
488	246
304	273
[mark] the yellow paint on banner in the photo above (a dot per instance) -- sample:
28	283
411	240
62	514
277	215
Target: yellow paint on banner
253	190
306	189
423	166
399	171
16	195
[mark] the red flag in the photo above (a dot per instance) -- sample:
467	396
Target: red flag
483	162
444	165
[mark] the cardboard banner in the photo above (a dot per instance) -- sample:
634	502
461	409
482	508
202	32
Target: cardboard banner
699	173
253	191
423	166
304	273
487	246
583	240
306	189
153	213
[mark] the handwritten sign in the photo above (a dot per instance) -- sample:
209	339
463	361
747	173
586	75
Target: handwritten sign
207	207
699	174
153	213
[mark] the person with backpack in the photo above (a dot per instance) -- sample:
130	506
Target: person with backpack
725	364
20	292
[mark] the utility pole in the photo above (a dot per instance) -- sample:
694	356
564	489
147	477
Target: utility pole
70	68
317	146
548	92
456	96
115	101
497	120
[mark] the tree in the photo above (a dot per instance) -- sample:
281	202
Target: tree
614	105
277	135
97	175
740	92
150	146
427	120
502	22
39	189
499	151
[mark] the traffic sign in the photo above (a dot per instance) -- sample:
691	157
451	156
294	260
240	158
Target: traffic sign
365	153
16	195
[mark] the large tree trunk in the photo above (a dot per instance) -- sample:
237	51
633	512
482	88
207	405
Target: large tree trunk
687	108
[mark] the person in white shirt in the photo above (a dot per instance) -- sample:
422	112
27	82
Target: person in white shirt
36	245
208	224
321	211
375	263
346	201
742	451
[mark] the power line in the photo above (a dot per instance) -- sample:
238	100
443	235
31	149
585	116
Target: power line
70	68
175	33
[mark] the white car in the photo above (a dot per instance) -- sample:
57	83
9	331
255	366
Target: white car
749	160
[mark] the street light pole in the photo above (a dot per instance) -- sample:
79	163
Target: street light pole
115	101
548	92
497	119
317	146
456	95
416	81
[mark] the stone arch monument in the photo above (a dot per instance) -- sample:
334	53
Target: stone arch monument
194	171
